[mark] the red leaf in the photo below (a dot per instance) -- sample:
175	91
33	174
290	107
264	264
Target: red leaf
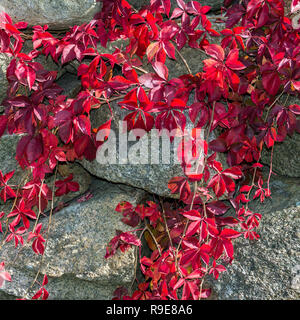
257	165
263	16
152	50
179	283
29	147
160	69
37	294
180	185
21	25
34	148
169	49
83	123
3	123
296	85
215	51
228	247
217	208
11	28
65	186
45	280
245	188
195	177
218	145
193	228
232	61
229	233
271	82
85	146
234	173
171	120
130	239
4	275
218	185
68	53
31	75
295	108
193	215
4	41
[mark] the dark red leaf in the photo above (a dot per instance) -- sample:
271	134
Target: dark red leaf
218	145
3	124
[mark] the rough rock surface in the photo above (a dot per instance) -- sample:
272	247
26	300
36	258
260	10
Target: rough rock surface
268	269
58	14
74	258
286	160
4	62
71	85
8	144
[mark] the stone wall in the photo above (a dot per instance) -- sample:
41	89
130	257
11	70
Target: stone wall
74	260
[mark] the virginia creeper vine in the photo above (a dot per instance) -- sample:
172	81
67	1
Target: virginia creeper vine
249	73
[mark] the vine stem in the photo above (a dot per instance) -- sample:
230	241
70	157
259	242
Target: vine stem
136	261
146	228
180	55
196	184
140	69
260	150
272	104
24	177
183	60
48	231
201	285
154	239
271	168
40	206
167	228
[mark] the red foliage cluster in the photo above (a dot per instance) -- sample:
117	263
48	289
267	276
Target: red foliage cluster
237	95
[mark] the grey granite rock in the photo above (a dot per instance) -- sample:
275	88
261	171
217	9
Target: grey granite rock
58	14
268	269
70	84
286	160
8	145
4	62
74	258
